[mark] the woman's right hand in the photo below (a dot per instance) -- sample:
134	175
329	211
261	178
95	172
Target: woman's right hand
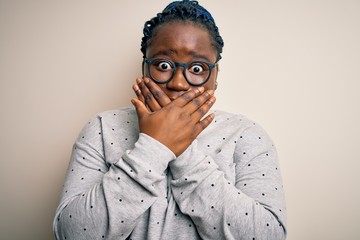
176	123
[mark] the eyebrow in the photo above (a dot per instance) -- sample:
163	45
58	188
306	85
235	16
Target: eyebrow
172	52
197	55
167	53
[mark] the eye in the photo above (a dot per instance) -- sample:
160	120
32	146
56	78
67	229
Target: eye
163	66
197	68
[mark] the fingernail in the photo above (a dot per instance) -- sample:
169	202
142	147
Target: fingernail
211	92
146	80
136	87
201	89
138	80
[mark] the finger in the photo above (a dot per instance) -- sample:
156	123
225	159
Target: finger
159	95
203	109
201	125
138	93
148	96
199	101
188	96
140	107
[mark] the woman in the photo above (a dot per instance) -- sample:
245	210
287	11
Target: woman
169	169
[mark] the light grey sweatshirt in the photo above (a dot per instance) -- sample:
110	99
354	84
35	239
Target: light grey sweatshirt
124	185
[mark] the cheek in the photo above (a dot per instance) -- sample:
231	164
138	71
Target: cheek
211	84
145	70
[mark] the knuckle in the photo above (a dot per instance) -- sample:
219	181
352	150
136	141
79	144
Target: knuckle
187	96
138	93
206	94
210	101
201	111
196	102
141	84
158	94
148	96
203	125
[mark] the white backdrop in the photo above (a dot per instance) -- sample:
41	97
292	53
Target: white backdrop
291	66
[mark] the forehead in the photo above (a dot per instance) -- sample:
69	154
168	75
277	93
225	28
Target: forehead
181	39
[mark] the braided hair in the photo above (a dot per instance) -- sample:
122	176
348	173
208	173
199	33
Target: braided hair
186	11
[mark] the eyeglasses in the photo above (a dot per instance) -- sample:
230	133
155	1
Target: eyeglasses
162	70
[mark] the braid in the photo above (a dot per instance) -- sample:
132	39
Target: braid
183	11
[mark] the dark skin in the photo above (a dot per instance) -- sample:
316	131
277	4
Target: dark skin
172	113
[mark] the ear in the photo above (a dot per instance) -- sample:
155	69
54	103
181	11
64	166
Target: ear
143	67
217	70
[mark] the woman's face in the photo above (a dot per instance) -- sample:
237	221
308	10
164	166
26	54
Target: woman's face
182	42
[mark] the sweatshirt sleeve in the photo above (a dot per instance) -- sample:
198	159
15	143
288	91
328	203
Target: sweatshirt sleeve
102	200
252	207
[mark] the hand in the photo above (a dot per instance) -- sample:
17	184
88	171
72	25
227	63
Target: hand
150	94
178	123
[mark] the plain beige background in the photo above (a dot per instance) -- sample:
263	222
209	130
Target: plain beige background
291	66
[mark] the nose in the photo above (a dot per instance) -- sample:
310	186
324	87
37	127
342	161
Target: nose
178	81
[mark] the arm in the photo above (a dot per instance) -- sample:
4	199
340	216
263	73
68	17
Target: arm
252	208
105	201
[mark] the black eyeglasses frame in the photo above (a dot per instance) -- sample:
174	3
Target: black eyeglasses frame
148	62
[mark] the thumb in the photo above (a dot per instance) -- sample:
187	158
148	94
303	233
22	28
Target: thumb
141	109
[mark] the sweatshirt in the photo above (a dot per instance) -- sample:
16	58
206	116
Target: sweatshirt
122	184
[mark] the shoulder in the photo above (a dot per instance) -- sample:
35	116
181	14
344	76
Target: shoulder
245	129
227	118
116	116
117	113
110	119
227	122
